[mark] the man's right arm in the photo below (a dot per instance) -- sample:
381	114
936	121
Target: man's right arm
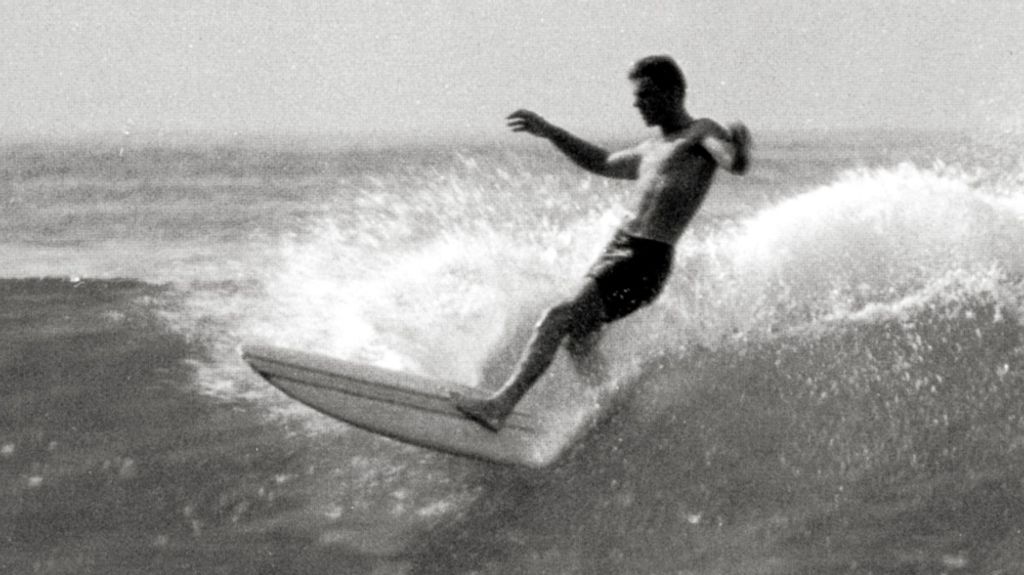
590	157
730	149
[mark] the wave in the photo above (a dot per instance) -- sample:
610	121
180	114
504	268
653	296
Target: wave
44	285
439	299
829	380
877	439
871	237
834	383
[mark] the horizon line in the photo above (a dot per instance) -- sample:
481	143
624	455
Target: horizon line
385	138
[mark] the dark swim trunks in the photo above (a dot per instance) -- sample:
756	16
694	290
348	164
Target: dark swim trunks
630	273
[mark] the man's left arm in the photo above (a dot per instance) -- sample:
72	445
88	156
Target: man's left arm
730	149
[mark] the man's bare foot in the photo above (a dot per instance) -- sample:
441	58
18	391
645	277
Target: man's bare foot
481	410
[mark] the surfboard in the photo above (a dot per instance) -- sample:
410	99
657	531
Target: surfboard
409	408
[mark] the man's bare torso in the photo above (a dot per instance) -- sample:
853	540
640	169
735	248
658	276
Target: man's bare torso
673	177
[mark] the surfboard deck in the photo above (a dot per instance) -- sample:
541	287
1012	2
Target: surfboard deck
409	408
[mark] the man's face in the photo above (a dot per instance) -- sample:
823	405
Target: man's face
654	103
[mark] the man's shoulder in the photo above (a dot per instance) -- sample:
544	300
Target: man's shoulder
640	149
708	127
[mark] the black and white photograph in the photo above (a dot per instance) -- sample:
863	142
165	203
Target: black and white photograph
457	287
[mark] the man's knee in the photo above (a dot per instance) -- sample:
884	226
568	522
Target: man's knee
578	322
574	317
558	318
581	341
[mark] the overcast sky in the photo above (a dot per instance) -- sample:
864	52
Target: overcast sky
423	67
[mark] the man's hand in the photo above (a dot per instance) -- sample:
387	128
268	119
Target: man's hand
740	136
529	122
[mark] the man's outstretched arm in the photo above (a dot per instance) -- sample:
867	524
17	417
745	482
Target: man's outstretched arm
590	157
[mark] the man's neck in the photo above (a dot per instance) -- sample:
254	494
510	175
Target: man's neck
679	123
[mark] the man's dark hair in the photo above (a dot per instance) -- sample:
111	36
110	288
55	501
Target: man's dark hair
662	71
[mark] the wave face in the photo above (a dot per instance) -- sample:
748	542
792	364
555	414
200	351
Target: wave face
829	383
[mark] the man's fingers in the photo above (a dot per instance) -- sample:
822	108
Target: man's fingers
520	126
740	134
525	121
524	115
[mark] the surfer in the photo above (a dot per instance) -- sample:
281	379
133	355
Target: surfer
674	172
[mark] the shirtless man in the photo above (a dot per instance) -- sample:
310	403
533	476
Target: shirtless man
674	172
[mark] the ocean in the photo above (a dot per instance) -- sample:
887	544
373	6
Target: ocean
832	381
